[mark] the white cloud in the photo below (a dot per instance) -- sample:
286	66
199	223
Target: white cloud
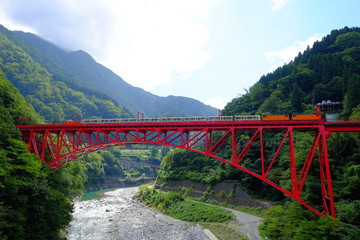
156	42
278	4
148	43
218	103
289	53
9	24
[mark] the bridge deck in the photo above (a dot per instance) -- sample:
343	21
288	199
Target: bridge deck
220	124
343	126
339	126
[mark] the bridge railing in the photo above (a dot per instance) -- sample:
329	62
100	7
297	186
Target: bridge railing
348	120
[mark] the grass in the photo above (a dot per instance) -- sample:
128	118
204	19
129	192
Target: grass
176	206
190	211
223	231
257	211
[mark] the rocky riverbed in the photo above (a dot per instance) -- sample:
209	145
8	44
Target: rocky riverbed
117	216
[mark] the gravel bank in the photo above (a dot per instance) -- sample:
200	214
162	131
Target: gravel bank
116	216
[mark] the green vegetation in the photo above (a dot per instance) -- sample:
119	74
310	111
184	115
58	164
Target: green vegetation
294	222
123	164
256	211
174	205
224	231
181	164
197	212
34	202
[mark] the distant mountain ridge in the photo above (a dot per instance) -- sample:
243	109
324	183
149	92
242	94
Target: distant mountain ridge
51	96
79	70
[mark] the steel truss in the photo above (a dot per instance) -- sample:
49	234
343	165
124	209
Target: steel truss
58	145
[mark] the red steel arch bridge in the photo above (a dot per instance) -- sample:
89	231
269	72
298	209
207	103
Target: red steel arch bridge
59	144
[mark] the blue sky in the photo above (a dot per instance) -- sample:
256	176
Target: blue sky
210	50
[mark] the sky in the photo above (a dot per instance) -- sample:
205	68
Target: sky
210	50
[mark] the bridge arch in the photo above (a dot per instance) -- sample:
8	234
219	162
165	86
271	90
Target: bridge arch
60	144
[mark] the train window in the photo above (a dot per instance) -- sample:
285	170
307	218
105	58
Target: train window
247	117
195	119
175	119
226	118
189	119
213	118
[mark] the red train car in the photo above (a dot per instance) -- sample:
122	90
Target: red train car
275	117
306	116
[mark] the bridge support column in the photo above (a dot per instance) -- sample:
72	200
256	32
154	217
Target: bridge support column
325	176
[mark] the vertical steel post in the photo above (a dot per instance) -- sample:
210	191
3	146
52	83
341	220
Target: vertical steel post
234	147
325	175
293	174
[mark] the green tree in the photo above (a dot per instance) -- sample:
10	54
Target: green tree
111	165
154	152
296	99
352	97
32	206
293	222
348	40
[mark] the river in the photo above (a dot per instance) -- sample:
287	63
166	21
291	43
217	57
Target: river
117	216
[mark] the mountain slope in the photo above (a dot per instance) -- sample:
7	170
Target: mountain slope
330	70
51	97
81	69
35	202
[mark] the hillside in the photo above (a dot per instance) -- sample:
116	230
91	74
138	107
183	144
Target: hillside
35	203
330	70
78	69
52	98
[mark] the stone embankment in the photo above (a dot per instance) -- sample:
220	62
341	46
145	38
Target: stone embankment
221	192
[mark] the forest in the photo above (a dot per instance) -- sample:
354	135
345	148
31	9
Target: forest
35	203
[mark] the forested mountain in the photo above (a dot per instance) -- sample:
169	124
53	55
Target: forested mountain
330	70
78	69
51	97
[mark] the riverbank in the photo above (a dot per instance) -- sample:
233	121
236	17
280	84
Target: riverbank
117	216
225	223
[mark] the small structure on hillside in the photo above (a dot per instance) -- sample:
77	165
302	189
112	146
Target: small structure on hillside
331	109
